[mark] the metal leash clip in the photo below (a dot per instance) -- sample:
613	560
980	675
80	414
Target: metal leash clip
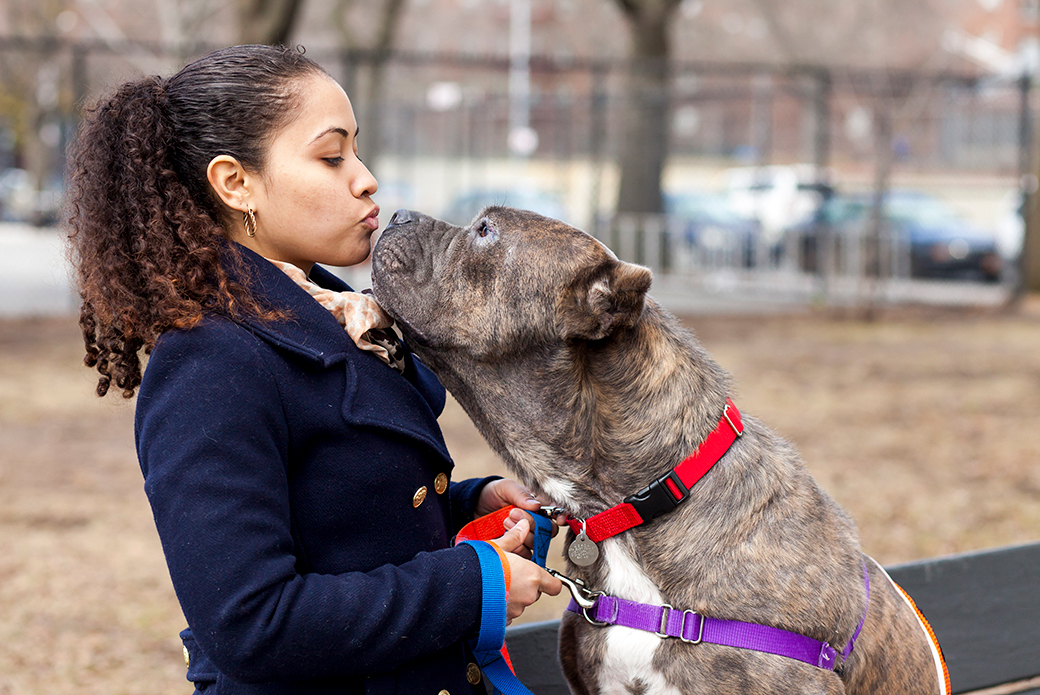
582	595
551	511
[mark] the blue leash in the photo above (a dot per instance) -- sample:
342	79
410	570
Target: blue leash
487	647
542	538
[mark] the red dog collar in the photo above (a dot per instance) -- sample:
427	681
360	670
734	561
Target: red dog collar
670	490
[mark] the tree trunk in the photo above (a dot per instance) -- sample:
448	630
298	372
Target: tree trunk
267	21
878	242
369	60
645	124
1030	261
372	134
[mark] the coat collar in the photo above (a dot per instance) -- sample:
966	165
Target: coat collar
375	396
310	332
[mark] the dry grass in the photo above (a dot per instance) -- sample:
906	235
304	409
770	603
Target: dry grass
922	424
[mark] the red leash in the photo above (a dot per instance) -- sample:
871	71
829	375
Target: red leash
485	528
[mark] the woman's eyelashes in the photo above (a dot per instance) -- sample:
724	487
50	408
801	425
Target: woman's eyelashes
337	160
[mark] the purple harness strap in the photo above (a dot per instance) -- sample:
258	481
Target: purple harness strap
694	628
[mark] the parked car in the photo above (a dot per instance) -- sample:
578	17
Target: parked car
709	222
1011	228
941	242
22	201
779	196
464	207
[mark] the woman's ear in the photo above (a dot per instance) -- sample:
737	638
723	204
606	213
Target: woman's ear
231	182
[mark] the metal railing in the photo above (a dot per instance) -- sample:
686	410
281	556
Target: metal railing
813	264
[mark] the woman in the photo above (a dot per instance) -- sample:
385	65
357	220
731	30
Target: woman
296	472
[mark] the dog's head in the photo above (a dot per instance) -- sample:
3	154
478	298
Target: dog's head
508	282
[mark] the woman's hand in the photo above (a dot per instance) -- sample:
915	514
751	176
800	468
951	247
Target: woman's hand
503	492
527	581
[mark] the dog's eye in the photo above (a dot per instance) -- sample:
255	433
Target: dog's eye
485	230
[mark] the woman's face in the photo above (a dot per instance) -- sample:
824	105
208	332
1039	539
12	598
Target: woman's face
313	202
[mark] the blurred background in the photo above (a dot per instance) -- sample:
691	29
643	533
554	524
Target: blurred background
837	197
787	150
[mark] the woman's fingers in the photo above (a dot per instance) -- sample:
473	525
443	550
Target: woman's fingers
502	493
527	583
516	515
514	540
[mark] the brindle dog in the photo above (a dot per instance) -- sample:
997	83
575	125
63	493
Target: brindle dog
589	391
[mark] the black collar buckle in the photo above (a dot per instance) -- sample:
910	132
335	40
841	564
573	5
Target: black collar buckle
657	497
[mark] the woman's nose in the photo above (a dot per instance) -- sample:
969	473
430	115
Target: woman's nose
364	183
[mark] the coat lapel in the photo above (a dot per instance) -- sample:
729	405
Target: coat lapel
375	395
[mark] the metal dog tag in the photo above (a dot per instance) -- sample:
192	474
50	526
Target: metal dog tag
582	551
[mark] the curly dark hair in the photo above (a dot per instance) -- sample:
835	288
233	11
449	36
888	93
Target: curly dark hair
148	235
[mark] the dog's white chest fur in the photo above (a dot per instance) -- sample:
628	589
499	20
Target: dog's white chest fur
630	653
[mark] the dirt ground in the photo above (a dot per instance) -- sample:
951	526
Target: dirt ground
923	424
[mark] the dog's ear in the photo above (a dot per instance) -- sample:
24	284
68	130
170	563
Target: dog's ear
604	299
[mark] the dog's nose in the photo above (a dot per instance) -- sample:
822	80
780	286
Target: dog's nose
402	216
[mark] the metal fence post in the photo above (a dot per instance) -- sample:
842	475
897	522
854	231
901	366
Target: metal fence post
1028	276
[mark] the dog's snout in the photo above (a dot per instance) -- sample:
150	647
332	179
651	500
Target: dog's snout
403	216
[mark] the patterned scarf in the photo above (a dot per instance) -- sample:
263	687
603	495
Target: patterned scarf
368	325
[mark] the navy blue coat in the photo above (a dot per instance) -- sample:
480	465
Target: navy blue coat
282	465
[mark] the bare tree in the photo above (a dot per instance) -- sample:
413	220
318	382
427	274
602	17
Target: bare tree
267	21
1029	263
377	57
645	129
183	22
864	39
36	99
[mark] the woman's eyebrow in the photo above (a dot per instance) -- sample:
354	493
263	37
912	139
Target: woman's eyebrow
335	129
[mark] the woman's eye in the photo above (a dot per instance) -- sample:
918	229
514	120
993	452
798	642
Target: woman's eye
333	161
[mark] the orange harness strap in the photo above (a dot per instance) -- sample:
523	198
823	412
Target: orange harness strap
931	635
941	672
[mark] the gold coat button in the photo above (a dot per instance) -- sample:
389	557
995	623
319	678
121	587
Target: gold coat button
473	674
440	483
419	496
187	658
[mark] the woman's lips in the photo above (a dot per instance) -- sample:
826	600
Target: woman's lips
372	221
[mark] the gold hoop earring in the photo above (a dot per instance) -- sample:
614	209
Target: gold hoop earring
249	219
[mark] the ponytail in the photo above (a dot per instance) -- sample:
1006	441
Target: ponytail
144	227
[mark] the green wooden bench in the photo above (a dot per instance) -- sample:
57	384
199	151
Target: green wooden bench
984	608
